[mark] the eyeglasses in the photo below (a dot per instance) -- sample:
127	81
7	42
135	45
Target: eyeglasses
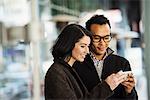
97	38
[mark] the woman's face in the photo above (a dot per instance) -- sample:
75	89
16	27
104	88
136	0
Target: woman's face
81	49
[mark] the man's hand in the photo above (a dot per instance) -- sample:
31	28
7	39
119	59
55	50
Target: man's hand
129	83
115	79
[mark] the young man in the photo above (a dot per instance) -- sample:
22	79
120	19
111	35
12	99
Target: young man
101	63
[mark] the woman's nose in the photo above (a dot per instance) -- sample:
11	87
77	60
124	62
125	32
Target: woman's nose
87	49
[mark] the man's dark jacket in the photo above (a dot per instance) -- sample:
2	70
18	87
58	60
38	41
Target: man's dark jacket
112	64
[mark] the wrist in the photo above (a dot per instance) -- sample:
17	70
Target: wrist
128	90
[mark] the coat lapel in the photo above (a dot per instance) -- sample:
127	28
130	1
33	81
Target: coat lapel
89	62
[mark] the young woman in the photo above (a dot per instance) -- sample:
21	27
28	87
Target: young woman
61	80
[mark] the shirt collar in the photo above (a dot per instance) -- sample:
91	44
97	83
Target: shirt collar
108	52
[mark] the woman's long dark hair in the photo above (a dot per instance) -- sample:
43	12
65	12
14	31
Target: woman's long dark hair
66	40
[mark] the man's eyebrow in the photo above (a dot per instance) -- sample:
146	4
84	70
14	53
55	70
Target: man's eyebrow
101	36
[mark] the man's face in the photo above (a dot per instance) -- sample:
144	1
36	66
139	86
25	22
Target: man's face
99	45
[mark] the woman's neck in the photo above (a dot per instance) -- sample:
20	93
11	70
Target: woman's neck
71	61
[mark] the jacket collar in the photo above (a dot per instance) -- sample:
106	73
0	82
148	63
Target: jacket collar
90	62
109	51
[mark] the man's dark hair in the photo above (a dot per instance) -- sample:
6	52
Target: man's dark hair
97	19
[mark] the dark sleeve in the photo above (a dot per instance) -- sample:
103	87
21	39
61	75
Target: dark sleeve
127	65
57	87
101	91
133	95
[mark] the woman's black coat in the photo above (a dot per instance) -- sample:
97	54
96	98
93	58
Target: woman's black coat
62	82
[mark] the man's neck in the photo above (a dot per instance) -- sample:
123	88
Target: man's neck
100	57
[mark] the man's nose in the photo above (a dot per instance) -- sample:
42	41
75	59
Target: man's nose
101	40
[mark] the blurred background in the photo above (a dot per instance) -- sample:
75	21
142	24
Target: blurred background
28	29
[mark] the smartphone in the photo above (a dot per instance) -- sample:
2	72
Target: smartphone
128	73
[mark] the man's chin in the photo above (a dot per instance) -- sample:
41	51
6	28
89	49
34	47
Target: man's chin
100	53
